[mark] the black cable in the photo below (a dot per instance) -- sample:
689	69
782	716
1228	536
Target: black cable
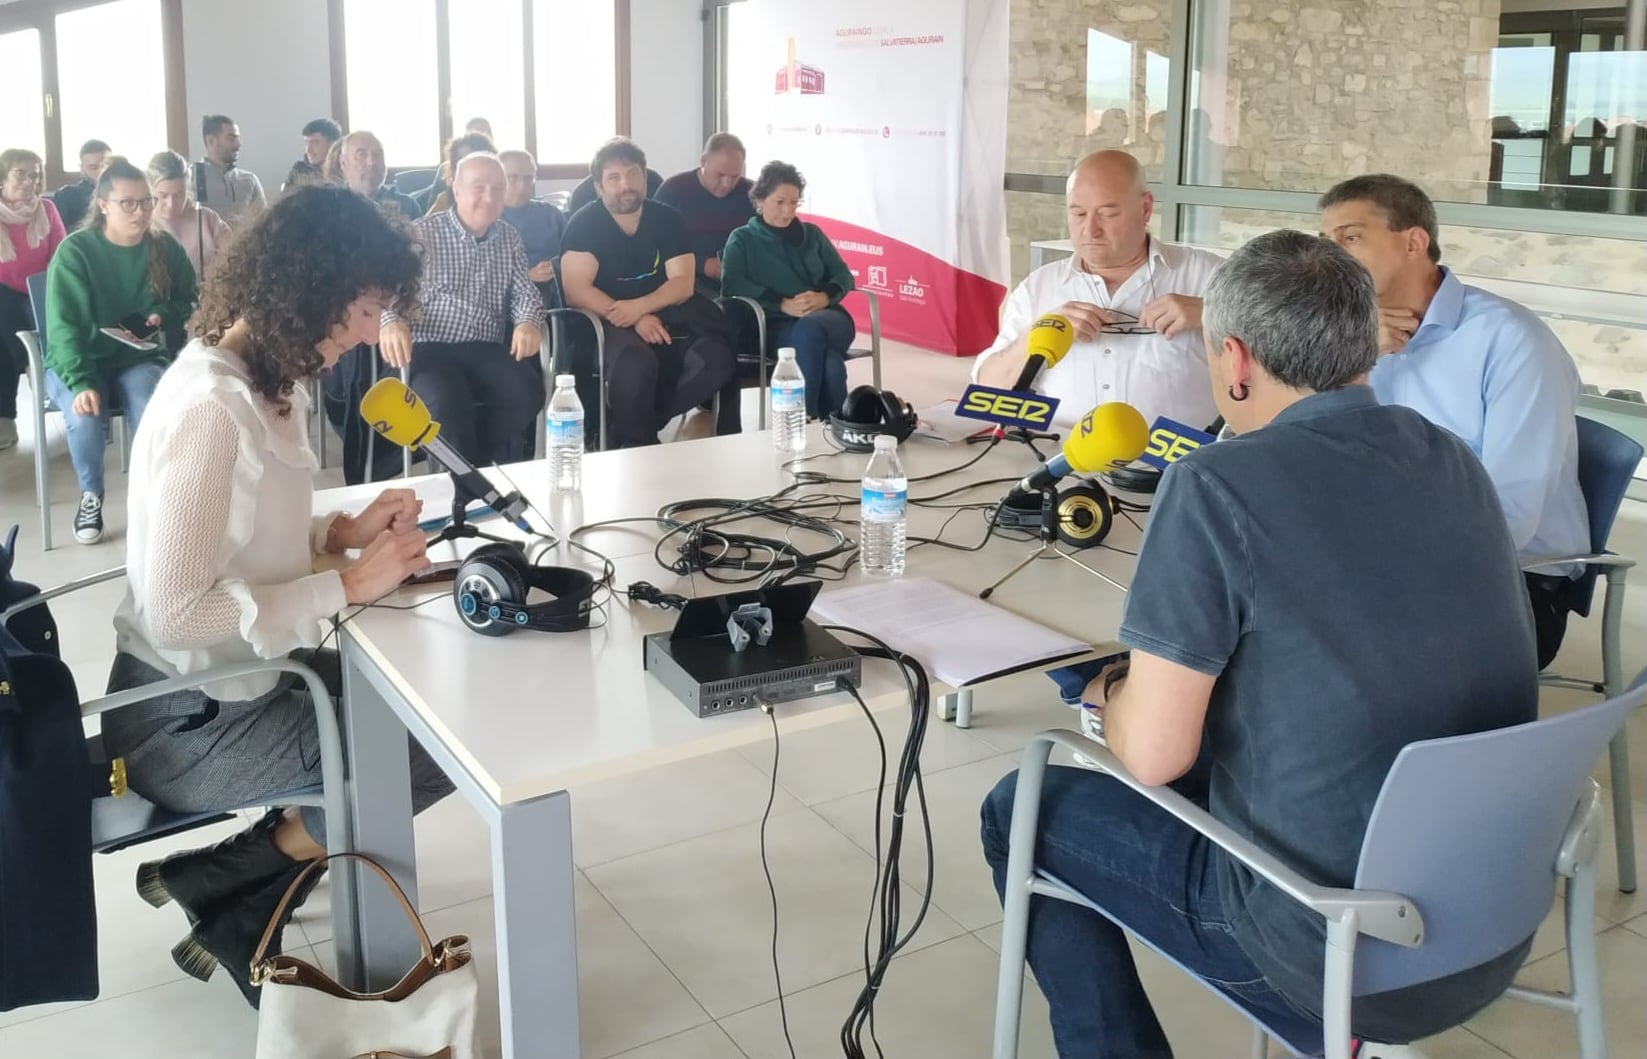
771	888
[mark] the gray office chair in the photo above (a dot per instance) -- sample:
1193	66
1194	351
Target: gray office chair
1458	866
122	817
1607	461
34	344
873	352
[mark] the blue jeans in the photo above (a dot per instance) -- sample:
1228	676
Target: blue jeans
821	340
1153	873
89	434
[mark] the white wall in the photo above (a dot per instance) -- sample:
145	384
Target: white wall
265	64
666	82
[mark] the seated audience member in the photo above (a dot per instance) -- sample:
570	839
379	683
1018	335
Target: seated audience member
1484	367
73	200
115	272
480	125
440	193
201	231
794	271
30	231
1269	698
1134	300
318	137
540	224
474	351
331	170
221	556
361	167
235	193
668	349
714	201
585	193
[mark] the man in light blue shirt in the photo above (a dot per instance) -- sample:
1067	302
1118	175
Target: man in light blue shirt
1483	367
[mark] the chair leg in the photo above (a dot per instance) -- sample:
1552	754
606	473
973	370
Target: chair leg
1260	1044
42	481
1335	992
1580	914
1020	873
1618	751
123	444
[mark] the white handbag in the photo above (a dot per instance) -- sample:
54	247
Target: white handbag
428	1014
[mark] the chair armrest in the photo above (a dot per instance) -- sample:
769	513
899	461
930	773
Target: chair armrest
339	838
1389	917
1603	560
61	590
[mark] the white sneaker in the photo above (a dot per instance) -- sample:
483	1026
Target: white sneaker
88	521
1092	726
8	433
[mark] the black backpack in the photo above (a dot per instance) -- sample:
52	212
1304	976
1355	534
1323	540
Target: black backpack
48	911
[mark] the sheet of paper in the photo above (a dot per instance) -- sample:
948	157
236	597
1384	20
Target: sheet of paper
940	421
958	637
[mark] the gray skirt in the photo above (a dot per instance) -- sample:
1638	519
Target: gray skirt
189	752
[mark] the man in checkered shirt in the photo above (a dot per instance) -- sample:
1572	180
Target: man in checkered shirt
473	351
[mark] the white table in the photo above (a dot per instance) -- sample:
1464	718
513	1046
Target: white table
516	720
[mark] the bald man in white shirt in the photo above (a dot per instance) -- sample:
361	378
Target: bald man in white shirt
1135	302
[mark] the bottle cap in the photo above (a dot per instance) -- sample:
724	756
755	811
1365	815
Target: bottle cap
885	441
786	352
566	380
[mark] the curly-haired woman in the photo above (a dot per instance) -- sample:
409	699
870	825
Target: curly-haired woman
221	558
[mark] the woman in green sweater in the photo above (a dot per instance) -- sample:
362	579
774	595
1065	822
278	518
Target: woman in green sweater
117	271
794	271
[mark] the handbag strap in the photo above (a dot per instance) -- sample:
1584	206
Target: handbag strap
314	866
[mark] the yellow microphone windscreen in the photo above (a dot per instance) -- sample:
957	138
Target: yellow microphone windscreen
1050	337
1111	435
398	414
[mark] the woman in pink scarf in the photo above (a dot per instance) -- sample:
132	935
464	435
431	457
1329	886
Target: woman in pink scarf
30	230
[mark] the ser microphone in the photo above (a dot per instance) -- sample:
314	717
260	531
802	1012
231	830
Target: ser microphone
400	415
1048	341
1111	435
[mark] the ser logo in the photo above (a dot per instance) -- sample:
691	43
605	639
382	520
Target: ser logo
1170	441
1007	407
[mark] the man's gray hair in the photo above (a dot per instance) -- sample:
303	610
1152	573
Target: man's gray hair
1303	306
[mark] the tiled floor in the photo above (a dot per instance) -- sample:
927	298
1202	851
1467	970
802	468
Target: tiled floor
671	905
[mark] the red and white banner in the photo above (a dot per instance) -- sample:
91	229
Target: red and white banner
903	168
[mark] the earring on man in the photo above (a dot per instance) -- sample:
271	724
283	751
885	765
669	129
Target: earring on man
1242	396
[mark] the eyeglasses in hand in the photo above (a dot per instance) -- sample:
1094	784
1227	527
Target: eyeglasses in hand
1125	324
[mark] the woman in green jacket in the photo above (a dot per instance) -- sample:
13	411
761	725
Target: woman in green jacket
794	271
115	272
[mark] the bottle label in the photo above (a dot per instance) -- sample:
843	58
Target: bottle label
789	396
884	505
565	429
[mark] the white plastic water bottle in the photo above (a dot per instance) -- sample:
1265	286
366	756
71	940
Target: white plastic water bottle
564	423
788	404
885	496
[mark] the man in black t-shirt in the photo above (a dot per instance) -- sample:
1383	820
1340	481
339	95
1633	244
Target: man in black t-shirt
1286	645
668	349
714	200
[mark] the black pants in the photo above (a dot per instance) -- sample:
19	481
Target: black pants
1547	594
483	398
647	385
15	316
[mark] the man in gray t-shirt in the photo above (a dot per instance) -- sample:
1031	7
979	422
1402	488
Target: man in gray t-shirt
1334	583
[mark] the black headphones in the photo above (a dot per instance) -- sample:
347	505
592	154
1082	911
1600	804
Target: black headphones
866	414
492	586
1084	511
1133	479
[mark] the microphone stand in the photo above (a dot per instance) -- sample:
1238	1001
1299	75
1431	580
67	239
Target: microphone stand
460	527
1048	535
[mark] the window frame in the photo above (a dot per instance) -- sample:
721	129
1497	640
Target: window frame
553	169
41	16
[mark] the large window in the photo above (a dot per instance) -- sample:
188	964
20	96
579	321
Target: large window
61	88
545	73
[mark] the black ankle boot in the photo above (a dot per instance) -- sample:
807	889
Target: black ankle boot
199	878
230	931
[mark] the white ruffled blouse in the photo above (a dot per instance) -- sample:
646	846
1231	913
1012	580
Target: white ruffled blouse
221	539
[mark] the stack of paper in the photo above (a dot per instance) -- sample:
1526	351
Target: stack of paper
957	637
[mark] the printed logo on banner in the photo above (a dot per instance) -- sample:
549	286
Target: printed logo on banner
797	77
877	277
911	288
